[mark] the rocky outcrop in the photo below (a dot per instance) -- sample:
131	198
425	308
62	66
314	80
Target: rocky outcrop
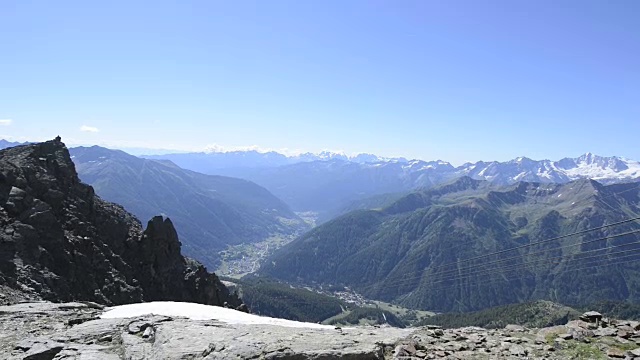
575	340
592	337
73	331
76	331
61	242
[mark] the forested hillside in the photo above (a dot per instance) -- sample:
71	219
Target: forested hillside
470	245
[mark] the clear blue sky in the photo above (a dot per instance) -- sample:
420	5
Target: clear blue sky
452	80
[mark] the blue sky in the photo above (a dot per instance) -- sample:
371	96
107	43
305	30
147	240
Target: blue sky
453	80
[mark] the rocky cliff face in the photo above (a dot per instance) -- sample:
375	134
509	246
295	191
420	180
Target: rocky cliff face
61	242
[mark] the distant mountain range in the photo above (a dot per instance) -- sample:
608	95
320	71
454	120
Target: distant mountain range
588	166
210	212
208	162
604	169
331	183
7	144
328	186
432	249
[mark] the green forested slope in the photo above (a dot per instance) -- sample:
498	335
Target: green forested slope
271	298
416	251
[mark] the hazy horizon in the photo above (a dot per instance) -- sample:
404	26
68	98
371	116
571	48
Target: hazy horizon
137	151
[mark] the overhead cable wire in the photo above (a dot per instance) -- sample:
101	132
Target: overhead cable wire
535	253
634	254
481	270
571	258
544	241
633	257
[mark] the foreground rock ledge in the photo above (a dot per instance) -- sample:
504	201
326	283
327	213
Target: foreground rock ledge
74	331
48	331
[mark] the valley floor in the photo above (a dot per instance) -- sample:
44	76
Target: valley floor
239	260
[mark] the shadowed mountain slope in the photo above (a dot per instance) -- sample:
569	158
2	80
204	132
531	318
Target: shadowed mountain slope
209	211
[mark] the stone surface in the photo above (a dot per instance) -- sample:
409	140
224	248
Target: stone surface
565	336
517	350
22	333
46	350
616	353
605	332
512	327
42	329
591	316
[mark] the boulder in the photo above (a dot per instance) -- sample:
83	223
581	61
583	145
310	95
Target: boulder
514	328
616	353
580	333
518	350
40	350
591	317
605	332
565	336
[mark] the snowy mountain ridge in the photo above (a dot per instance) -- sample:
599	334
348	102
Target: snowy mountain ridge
246	164
291	158
600	168
587	165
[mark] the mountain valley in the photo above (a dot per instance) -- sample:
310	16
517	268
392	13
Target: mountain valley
210	212
320	180
393	258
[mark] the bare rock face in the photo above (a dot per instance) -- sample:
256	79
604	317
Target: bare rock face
74	331
45	330
61	242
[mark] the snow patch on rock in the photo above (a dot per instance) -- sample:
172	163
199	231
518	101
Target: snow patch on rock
195	311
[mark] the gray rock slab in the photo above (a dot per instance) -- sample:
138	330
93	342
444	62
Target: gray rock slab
29	330
43	331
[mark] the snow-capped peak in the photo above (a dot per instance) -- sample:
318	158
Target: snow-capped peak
586	166
607	169
331	155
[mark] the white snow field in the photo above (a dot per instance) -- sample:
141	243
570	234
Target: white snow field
201	312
